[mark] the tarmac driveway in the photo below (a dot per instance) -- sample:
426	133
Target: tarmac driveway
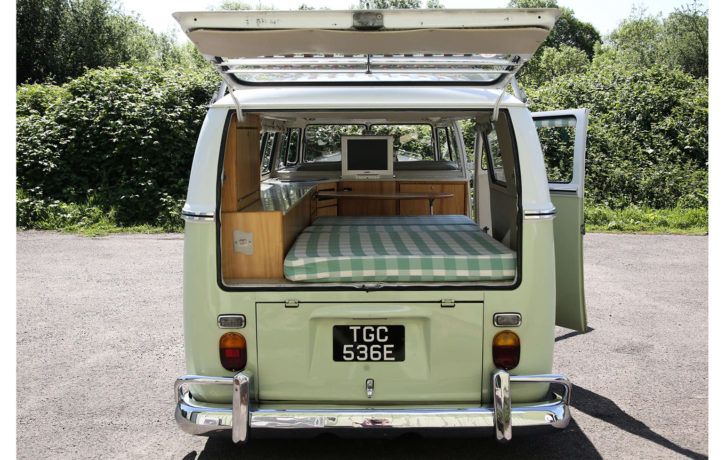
99	344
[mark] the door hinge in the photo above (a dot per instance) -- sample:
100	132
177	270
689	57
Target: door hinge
292	304
448	303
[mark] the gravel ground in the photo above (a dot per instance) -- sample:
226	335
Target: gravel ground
99	344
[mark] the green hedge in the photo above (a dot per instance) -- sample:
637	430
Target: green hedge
647	136
122	139
638	219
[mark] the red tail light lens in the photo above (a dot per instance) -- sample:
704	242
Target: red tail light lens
233	351
505	350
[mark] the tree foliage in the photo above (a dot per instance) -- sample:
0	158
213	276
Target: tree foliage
554	62
120	140
647	136
568	35
681	39
59	39
123	138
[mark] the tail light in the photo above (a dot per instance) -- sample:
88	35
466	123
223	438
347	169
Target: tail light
505	350
233	351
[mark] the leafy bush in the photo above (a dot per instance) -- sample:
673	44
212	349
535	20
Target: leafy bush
647	136
123	137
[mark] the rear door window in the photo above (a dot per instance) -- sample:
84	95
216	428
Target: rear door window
494	155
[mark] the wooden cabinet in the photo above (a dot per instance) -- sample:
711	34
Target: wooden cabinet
254	243
458	204
366	207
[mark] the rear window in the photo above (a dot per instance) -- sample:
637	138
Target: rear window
411	142
322	142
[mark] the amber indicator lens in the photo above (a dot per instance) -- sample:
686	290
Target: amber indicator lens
233	351
505	350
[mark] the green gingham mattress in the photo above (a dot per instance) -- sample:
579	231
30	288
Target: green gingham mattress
404	250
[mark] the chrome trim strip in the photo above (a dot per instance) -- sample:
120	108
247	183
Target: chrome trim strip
206	418
197	216
568	187
545	214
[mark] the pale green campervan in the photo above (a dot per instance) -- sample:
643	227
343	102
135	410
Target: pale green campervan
347	265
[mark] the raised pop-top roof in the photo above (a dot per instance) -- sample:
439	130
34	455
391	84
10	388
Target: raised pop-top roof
482	47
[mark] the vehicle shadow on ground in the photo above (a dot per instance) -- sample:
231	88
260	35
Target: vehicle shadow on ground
606	410
569	443
573	334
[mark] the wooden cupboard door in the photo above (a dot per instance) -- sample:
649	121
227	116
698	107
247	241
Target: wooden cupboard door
327	211
364	206
452	205
458	204
252	244
419	207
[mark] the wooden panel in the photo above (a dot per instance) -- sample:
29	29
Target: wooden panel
248	156
328	211
229	186
458	204
241	164
295	221
267	245
454	205
363	207
419	207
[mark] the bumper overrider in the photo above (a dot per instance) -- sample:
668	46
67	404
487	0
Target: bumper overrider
206	418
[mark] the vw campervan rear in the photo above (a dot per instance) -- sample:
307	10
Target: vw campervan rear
344	269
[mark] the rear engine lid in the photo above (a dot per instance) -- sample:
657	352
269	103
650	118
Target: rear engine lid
415	352
483	47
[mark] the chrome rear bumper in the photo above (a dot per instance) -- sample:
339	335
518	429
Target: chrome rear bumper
205	418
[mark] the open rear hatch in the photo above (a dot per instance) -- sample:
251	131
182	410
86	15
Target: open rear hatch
370	353
482	47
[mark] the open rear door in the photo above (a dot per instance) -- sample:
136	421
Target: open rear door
482	47
563	135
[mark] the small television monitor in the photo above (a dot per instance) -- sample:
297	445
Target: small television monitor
367	156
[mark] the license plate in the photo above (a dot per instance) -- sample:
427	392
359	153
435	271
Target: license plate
369	343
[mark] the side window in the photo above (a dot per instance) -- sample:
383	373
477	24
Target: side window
293	145
281	148
557	137
494	154
445	153
268	141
